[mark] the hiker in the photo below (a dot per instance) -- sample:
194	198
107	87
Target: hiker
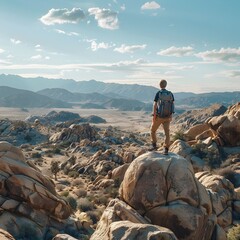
163	108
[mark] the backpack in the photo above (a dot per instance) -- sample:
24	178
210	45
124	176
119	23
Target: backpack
165	105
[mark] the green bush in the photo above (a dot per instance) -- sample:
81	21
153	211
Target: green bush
209	155
72	202
73	174
85	205
179	135
234	233
36	155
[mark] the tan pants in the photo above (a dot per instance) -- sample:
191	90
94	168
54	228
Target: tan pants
154	127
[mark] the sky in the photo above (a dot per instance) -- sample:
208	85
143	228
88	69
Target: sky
194	45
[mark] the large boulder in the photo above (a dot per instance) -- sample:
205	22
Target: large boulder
121	222
75	133
227	126
28	200
165	190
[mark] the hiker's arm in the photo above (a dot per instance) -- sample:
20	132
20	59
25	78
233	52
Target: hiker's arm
154	111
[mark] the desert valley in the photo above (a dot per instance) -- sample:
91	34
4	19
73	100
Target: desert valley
76	165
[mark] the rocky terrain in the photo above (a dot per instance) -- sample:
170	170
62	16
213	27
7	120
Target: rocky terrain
62	178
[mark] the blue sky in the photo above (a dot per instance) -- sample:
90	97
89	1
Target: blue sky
195	45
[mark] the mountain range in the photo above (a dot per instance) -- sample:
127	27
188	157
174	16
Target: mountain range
16	91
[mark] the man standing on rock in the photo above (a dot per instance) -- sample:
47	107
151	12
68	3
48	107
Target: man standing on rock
163	108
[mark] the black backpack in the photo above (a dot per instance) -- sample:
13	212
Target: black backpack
165	104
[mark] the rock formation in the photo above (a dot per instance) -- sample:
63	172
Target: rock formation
152	189
30	206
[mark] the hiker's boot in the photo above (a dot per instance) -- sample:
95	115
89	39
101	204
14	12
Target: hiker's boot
165	152
153	148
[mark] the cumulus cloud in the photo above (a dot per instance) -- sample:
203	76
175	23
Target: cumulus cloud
177	52
105	17
222	55
129	49
1	50
150	5
15	41
61	16
95	46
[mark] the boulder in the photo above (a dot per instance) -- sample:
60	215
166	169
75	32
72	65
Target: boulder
30	206
227	126
178	202
121	222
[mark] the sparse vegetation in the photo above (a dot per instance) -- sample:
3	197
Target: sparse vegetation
210	155
179	135
72	202
229	174
55	168
36	155
73	174
234	233
85	205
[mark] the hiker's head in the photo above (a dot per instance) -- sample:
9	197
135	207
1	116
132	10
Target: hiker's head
163	83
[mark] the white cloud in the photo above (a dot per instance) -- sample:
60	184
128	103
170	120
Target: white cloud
15	41
105	17
61	16
129	49
2	50
123	7
36	57
224	54
150	5
47	57
66	33
177	52
38	46
95	46
233	73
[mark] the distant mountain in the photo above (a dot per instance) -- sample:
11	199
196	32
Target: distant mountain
73	91
208	99
132	91
67	96
12	97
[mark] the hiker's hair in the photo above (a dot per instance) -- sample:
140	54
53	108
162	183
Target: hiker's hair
163	83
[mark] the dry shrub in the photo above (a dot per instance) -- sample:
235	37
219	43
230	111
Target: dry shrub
77	182
85	205
234	233
81	193
60	187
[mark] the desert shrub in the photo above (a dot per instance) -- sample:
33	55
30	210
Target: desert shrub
72	202
73	174
77	182
179	135
36	155
28	232
116	183
28	138
60	187
101	200
64	193
81	193
234	233
112	192
56	150
229	174
55	168
85	205
94	216
211	156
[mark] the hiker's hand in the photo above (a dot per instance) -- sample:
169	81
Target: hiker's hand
154	117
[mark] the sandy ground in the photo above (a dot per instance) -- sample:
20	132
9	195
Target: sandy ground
136	121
